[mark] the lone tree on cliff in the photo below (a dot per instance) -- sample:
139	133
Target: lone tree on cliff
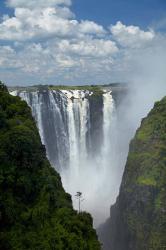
3	87
79	197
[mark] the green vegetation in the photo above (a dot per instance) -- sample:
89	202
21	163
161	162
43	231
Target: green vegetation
35	211
143	191
3	87
142	180
138	219
83	87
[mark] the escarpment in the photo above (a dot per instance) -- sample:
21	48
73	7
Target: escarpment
138	219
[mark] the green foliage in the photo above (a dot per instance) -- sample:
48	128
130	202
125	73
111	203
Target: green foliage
144	183
35	211
3	87
142	180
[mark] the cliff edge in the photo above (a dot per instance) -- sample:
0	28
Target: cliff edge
138	219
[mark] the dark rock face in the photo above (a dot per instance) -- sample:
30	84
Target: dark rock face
138	219
96	124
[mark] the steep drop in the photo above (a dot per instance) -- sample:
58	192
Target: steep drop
138	218
78	128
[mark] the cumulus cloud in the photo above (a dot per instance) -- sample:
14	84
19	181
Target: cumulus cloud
46	41
28	24
131	36
95	48
91	27
38	23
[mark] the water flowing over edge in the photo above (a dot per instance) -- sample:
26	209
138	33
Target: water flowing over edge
65	125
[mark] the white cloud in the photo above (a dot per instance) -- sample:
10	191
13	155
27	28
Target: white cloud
42	23
95	48
91	27
47	43
8	58
131	36
28	24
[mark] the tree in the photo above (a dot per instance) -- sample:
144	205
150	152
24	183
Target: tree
3	87
79	197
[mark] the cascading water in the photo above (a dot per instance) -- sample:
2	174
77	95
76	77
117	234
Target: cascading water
35	102
108	109
77	123
80	143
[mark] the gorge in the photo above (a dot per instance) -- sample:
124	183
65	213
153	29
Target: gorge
86	131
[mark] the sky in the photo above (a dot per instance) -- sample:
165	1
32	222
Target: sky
79	41
142	13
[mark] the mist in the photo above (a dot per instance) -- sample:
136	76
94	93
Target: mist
146	83
96	177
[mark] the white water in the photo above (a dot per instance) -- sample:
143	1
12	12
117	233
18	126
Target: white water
36	106
69	120
108	110
94	177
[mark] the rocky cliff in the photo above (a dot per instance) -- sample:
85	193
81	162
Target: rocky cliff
35	211
138	219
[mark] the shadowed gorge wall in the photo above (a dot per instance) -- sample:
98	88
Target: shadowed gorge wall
138	219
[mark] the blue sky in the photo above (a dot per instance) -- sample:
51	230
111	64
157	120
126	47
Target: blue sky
78	41
136	12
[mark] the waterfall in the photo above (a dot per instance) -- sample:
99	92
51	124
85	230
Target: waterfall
70	124
34	100
59	128
108	123
78	122
109	162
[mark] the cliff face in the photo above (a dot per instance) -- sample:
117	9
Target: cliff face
35	211
96	121
138	219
